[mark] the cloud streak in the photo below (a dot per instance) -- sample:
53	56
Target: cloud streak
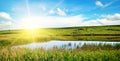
61	12
100	4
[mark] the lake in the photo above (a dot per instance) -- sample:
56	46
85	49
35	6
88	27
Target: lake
62	44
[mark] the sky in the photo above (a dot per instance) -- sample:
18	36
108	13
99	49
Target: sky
21	14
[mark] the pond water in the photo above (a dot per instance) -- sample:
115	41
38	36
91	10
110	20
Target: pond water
62	44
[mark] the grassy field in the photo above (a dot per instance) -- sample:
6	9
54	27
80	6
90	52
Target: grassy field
93	33
10	38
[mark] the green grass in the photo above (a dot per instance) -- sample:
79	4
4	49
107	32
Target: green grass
86	53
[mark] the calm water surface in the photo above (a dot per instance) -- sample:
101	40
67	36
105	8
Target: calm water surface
62	44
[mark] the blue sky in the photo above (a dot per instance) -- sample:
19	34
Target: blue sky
15	14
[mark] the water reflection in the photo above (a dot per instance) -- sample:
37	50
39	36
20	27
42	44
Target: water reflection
63	44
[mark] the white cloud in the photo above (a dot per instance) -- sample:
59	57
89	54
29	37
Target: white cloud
116	16
98	3
65	21
5	20
51	21
105	20
58	11
5	15
62	21
61	12
100	22
5	25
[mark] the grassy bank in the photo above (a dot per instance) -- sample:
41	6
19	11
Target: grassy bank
85	53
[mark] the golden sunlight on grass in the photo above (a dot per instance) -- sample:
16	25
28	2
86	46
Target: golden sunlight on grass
28	34
31	33
34	33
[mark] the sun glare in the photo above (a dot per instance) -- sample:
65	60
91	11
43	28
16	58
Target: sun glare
30	27
29	24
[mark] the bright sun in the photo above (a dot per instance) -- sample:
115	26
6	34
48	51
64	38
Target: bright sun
29	23
30	26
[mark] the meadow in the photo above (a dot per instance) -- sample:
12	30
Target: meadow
10	38
93	33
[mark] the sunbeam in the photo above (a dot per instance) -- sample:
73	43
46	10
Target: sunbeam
28	8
